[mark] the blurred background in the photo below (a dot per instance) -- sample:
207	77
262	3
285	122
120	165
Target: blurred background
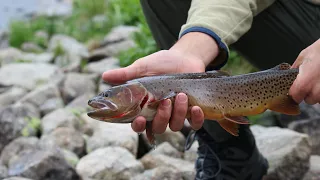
52	55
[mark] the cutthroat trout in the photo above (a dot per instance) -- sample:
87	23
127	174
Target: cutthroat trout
223	98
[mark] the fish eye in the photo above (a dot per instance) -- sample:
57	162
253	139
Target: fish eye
106	94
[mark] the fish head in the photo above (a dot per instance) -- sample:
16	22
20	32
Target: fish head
119	104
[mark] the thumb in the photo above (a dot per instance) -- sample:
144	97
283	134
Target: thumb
118	76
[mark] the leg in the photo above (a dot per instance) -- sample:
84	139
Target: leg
165	19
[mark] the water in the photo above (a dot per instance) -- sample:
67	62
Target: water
15	9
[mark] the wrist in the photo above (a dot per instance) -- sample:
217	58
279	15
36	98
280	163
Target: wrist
198	45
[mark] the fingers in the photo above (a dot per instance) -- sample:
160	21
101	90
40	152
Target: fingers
139	124
179	112
197	118
162	117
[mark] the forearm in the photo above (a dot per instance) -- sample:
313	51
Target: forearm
199	45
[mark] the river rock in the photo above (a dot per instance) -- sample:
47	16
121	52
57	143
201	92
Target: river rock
120	33
310	127
68	45
112	134
80	103
31	47
314	170
46	97
104	86
40	164
78	84
15	121
71	158
66	138
29	75
100	67
166	148
12	95
160	173
110	163
186	168
287	151
17	178
191	154
45	57
176	139
16	146
9	55
3	172
69	62
59	118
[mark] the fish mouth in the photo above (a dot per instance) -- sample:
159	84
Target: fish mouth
101	106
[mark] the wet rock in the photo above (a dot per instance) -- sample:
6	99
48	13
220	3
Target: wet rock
166	148
17	178
65	138
287	151
40	164
176	139
68	45
100	67
12	95
46	97
186	168
78	84
3	172
29	75
9	55
111	163
15	121
160	173
16	146
31	47
69	62
59	118
191	154
111	134
314	171
310	127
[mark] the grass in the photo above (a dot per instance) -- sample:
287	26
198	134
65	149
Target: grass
83	26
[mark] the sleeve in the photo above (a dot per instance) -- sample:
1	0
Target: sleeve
224	20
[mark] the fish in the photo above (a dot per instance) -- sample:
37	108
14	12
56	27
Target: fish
222	97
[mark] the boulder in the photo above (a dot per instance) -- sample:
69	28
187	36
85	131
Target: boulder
12	95
159	173
100	67
314	170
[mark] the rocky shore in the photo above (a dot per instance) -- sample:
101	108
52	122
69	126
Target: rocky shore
45	133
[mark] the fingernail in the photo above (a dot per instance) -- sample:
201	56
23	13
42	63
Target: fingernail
182	98
166	103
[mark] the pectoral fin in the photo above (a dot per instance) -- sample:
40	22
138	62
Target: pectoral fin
155	103
237	119
149	133
231	127
284	104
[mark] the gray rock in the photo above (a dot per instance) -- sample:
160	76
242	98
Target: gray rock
287	151
68	45
17	178
120	33
16	146
160	173
3	172
69	62
115	48
104	86
40	164
59	118
78	84
71	158
80	103
43	97
45	57
12	95
310	127
166	148
176	139
29	75
65	138
191	154
111	134
31	47
15	121
186	168
100	67
111	163
314	171
9	55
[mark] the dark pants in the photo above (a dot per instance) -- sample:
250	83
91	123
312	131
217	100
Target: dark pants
278	34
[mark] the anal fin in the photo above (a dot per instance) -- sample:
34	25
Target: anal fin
284	104
231	127
237	119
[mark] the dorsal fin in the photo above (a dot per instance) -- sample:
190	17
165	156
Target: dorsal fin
218	73
282	66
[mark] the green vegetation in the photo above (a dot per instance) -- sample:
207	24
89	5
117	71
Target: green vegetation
33	125
92	20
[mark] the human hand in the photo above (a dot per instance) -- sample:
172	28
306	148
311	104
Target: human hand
307	84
